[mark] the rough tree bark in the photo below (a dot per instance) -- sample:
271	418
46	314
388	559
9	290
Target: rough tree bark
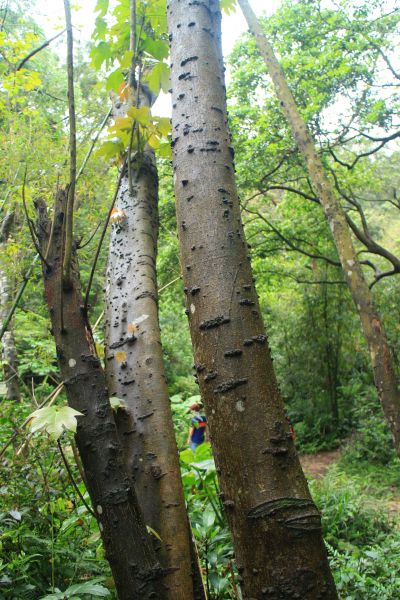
136	571
381	357
136	375
275	524
8	350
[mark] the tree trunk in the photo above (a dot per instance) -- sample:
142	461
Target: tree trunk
128	548
8	351
275	524
375	335
135	373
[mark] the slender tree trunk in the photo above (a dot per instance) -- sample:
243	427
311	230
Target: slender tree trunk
135	373
128	548
275	524
381	356
8	350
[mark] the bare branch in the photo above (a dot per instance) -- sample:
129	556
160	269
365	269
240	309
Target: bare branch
36	50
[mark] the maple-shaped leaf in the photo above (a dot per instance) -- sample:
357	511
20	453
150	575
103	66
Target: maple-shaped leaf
54	420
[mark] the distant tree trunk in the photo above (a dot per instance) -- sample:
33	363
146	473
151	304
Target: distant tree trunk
375	335
136	375
8	351
276	527
128	548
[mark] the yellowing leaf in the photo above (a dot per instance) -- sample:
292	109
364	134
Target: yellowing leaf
141	115
154	142
164	125
120	356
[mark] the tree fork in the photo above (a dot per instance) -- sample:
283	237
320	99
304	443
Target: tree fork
276	527
136	572
381	357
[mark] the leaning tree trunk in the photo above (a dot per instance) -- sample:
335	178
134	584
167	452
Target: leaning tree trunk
128	548
375	335
276	527
136	375
8	351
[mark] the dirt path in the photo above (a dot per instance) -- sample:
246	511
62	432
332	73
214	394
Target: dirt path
316	465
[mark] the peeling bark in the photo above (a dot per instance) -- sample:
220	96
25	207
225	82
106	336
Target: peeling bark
275	525
381	357
136	572
136	375
8	350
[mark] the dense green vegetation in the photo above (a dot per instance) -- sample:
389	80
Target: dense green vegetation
337	57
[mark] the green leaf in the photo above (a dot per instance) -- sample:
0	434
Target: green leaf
54	420
208	518
126	60
164	150
114	80
99	54
156	48
93	588
110	149
228	6
163	125
158	78
117	403
187	456
101	7
100	29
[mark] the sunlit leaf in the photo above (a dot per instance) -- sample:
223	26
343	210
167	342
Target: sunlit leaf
54	420
114	80
158	78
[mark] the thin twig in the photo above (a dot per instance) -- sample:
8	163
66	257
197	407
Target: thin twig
17	298
30	224
36	50
94	141
66	463
69	218
103	234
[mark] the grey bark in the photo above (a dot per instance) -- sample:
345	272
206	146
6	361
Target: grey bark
136	375
8	349
275	525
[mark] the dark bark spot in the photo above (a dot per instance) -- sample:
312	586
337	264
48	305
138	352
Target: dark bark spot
230	384
233	353
189	59
260	339
210	376
211	323
246	302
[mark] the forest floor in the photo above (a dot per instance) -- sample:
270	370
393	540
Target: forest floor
316	465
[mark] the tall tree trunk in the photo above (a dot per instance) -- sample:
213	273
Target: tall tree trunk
375	335
8	350
128	548
136	375
275	524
